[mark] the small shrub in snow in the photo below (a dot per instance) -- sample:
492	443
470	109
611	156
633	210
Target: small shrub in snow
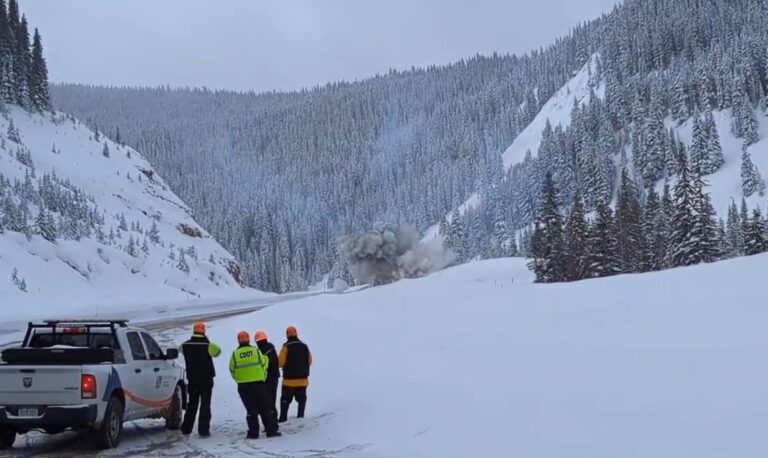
19	282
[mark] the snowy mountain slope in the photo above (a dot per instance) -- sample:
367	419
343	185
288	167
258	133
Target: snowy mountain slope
93	261
556	111
725	184
478	361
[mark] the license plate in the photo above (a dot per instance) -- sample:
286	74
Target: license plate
28	412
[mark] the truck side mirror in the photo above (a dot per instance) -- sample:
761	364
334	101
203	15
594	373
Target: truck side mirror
171	353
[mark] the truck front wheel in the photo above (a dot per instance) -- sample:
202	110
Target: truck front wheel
7	437
108	434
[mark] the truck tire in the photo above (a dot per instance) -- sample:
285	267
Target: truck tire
7	437
175	413
108	434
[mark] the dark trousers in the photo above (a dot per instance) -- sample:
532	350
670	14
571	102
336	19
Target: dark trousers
289	393
199	397
257	404
272	389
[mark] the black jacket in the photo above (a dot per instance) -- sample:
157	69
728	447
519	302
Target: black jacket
200	370
297	359
274	366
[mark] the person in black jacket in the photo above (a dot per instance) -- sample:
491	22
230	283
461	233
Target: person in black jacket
198	355
273	373
295	359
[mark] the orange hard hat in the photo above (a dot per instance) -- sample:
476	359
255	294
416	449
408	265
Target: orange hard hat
291	331
243	337
260	335
199	328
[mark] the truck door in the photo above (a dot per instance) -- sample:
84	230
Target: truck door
138	391
163	371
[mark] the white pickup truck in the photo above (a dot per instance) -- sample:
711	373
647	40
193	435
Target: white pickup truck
89	376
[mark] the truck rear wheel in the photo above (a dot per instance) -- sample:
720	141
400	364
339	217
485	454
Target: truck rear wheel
175	412
108	434
7	437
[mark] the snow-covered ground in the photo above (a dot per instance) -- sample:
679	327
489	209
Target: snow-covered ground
85	276
478	361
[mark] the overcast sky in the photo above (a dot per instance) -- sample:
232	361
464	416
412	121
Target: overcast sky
283	44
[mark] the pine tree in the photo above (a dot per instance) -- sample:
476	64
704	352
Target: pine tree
105	151
654	232
6	56
629	226
45	226
754	234
154	233
751	181
704	232
681	244
547	246
603	261
23	63
576	243
714	150
182	264
131	248
700	162
733	231
39	91
145	247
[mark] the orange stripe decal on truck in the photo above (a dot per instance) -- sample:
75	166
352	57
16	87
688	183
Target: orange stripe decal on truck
147	402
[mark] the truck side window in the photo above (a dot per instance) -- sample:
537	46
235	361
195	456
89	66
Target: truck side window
152	347
137	350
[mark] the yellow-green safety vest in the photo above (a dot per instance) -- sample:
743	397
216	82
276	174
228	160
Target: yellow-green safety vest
248	364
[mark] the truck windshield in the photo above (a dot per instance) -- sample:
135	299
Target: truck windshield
78	339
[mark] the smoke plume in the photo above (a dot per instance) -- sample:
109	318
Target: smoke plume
389	252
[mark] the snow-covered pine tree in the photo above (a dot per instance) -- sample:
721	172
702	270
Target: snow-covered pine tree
39	92
700	161
655	237
681	248
733	232
182	263
45	226
628	224
131	247
704	232
714	149
576	243
754	234
751	181
602	259
547	244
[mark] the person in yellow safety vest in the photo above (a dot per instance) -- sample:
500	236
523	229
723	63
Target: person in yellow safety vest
249	367
198	357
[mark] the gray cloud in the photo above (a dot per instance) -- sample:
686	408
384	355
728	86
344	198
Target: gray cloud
284	44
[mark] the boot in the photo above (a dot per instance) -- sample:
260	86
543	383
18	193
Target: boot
252	435
275	434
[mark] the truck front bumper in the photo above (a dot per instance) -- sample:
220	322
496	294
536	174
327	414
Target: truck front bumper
50	417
